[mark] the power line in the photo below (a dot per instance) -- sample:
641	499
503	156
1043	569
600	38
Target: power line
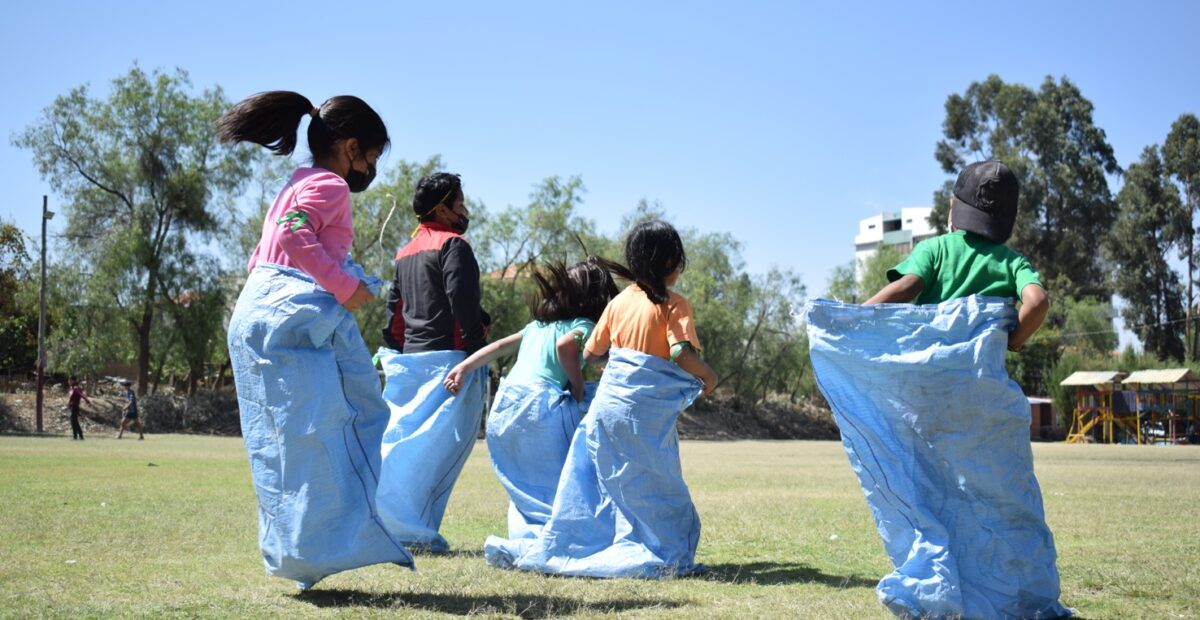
1045	336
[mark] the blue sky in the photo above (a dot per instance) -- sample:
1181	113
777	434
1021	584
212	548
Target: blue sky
782	123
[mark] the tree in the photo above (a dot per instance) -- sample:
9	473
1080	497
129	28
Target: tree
875	269
511	243
1084	325
1181	159
1061	158
142	173
195	311
18	320
846	288
843	286
1151	221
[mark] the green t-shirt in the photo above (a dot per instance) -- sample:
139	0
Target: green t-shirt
959	264
537	359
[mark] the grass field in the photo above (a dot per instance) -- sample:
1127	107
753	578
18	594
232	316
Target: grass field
167	527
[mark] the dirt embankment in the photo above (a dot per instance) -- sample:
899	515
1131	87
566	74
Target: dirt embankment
216	413
721	418
18	412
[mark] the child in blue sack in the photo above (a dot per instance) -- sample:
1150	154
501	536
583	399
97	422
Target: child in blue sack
934	428
311	414
973	258
621	508
541	401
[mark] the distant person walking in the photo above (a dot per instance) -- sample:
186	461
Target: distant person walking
129	413
75	395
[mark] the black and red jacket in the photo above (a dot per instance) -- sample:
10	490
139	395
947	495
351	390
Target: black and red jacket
433	304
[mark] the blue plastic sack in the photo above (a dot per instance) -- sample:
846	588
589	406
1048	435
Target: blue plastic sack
529	432
621	508
312	419
939	438
428	439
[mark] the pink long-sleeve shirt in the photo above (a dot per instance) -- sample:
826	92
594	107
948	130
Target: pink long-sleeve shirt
319	245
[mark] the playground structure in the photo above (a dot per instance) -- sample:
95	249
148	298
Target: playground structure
1166	404
1094	418
1144	407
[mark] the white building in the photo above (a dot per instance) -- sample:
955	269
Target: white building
903	229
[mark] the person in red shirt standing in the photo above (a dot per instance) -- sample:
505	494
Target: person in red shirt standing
76	394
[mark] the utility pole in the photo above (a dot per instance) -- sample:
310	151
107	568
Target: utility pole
41	358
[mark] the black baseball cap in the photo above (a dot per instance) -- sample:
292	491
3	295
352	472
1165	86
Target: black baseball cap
985	200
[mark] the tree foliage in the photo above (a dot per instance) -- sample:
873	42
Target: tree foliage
843	285
1150	223
143	175
875	269
1049	140
1181	160
18	317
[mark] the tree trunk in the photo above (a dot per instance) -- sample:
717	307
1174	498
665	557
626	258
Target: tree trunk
1189	331
143	336
221	373
162	361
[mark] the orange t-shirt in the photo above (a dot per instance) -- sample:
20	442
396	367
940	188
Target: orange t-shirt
632	321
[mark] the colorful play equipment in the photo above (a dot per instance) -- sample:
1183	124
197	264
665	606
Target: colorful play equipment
1166	405
1095	417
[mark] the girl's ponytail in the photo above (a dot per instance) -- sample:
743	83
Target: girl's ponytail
581	290
270	119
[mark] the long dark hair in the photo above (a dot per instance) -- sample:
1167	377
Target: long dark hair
654	251
581	290
272	118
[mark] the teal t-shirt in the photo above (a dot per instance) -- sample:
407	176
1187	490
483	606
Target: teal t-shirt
959	264
537	358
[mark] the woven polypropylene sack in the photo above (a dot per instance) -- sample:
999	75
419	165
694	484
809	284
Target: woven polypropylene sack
621	508
529	431
312	419
429	436
938	436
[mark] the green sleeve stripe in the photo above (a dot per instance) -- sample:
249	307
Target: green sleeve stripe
300	217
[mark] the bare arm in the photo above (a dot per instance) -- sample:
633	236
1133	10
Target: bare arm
568	357
595	359
1034	305
901	291
691	362
479	359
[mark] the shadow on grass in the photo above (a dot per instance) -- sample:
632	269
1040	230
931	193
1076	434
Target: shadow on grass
522	605
782	573
425	552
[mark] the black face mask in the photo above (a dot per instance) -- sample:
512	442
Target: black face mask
461	225
360	181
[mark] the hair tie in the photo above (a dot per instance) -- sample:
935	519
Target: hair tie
315	113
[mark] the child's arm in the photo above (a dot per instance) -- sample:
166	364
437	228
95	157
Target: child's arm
1034	305
480	358
594	358
689	361
901	291
568	357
